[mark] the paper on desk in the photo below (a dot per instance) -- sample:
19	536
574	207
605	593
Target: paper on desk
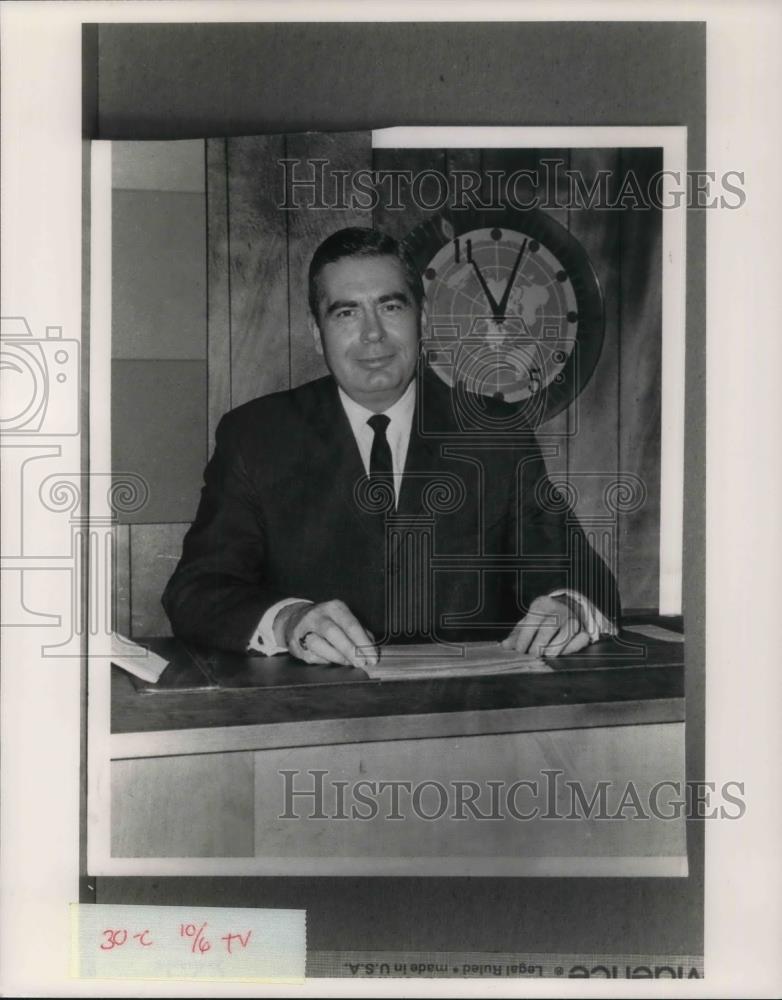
137	660
470	659
655	632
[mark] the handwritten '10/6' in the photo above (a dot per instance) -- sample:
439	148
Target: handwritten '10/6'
196	936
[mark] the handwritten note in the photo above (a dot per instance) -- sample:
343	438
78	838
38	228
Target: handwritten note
193	942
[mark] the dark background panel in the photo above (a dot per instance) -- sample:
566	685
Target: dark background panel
593	456
162	402
218	318
158	268
640	299
183	81
190	80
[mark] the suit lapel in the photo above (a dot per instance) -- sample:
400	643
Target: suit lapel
332	430
424	453
343	468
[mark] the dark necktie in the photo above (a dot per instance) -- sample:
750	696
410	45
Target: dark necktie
381	467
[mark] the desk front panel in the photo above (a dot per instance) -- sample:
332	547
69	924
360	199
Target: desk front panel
459	808
198	762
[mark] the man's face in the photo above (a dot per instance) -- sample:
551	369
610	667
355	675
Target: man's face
368	328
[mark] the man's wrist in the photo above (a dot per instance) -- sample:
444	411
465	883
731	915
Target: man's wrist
285	621
573	603
592	619
264	639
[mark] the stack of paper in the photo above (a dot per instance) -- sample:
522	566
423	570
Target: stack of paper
136	659
655	632
416	662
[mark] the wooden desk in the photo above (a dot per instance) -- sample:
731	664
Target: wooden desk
199	761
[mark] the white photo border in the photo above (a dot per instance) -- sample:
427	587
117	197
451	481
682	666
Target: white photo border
41	263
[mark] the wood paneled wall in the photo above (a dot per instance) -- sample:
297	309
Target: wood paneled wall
258	260
258	256
259	341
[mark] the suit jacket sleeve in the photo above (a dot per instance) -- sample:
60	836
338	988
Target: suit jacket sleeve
555	550
218	592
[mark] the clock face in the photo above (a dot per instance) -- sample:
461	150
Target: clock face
514	308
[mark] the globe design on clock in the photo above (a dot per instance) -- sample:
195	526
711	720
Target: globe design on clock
514	308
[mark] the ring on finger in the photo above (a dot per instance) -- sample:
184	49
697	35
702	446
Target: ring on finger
303	639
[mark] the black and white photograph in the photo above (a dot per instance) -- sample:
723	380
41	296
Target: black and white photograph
392	635
358	519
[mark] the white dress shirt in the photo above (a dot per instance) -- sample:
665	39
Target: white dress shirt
400	417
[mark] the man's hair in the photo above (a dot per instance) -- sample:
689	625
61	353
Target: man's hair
357	241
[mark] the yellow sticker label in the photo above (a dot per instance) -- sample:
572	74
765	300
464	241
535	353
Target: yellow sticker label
187	942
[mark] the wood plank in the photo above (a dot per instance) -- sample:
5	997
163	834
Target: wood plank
308	227
122	588
593	455
154	552
229	738
183	807
218	320
398	222
640	388
258	271
511	160
463	159
558	431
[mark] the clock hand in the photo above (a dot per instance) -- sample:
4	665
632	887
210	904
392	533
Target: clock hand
506	294
486	291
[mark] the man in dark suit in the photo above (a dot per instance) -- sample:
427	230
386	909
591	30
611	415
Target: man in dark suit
369	506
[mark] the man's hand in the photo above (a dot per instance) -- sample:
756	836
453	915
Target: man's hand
325	633
552	627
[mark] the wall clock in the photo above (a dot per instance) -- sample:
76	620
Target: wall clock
515	309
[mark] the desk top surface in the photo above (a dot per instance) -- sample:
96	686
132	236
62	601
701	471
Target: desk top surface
204	688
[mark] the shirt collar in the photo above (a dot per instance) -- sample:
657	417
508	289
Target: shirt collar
400	412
